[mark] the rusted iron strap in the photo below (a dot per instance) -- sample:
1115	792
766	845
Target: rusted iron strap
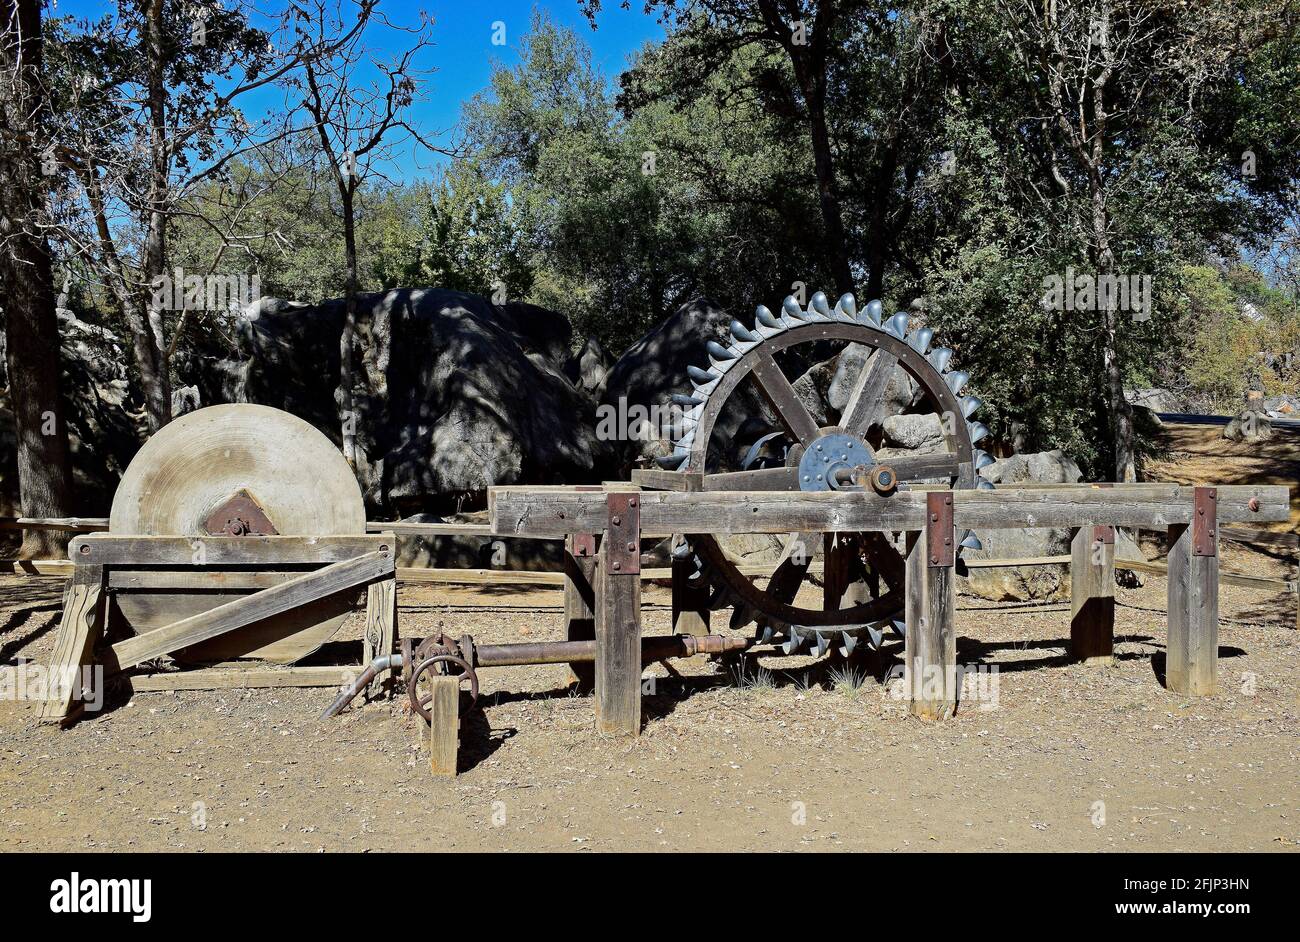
624	533
938	529
1205	521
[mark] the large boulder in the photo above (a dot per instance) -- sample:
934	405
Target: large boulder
1022	583
1250	427
455	393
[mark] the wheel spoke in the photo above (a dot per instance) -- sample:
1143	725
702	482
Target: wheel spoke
884	559
866	403
783	398
760	479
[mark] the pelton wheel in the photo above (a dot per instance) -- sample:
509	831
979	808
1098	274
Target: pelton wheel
237	470
819	458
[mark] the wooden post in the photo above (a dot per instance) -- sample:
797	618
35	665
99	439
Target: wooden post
444	726
930	647
80	628
1092	595
381	629
580	567
618	619
690	597
1191	661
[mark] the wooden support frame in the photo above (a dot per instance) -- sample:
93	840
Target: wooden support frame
618	618
690	598
1092	595
930	670
444	725
580	574
101	561
1192	655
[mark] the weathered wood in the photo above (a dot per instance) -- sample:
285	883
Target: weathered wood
528	512
252	608
661	480
1266	537
479	577
380	637
115	550
80	629
198	580
1242	579
1092	597
690	598
428	529
580	567
444	728
1192	654
782	397
760	479
55	568
618	648
63	524
930	645
867	399
236	678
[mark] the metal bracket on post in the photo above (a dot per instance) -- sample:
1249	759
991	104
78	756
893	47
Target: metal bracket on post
624	533
938	529
584	544
1104	534
1205	521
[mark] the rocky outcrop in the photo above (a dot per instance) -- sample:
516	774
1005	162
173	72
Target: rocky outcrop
1021	583
455	393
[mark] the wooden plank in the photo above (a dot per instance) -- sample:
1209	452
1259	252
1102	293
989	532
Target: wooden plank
214	580
1092	598
1192	654
444	730
64	524
580	564
1266	537
526	512
252	608
479	576
56	568
428	529
80	628
618	648
690	598
760	479
1225	578
661	480
113	550
380	636
238	678
930	643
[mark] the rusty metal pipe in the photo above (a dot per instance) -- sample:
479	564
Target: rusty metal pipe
381	663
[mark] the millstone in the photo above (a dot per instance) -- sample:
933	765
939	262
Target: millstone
244	470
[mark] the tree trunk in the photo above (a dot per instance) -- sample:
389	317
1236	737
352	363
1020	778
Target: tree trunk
827	193
347	341
150	343
27	293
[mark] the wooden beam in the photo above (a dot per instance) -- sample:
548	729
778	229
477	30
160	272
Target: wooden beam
1266	537
380	636
618	634
1192	654
930	641
428	529
114	550
251	608
444	728
80	628
1092	595
529	512
660	480
580	568
234	678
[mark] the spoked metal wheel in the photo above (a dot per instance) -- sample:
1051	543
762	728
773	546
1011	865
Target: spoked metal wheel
819	457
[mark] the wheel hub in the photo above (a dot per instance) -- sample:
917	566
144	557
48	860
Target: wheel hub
826	457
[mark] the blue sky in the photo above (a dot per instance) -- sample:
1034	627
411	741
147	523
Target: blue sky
463	52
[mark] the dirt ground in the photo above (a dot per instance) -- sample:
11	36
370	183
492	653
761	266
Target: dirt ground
800	756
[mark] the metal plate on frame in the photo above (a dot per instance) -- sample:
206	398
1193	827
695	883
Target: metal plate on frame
1205	521
1104	534
939	547
624	533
